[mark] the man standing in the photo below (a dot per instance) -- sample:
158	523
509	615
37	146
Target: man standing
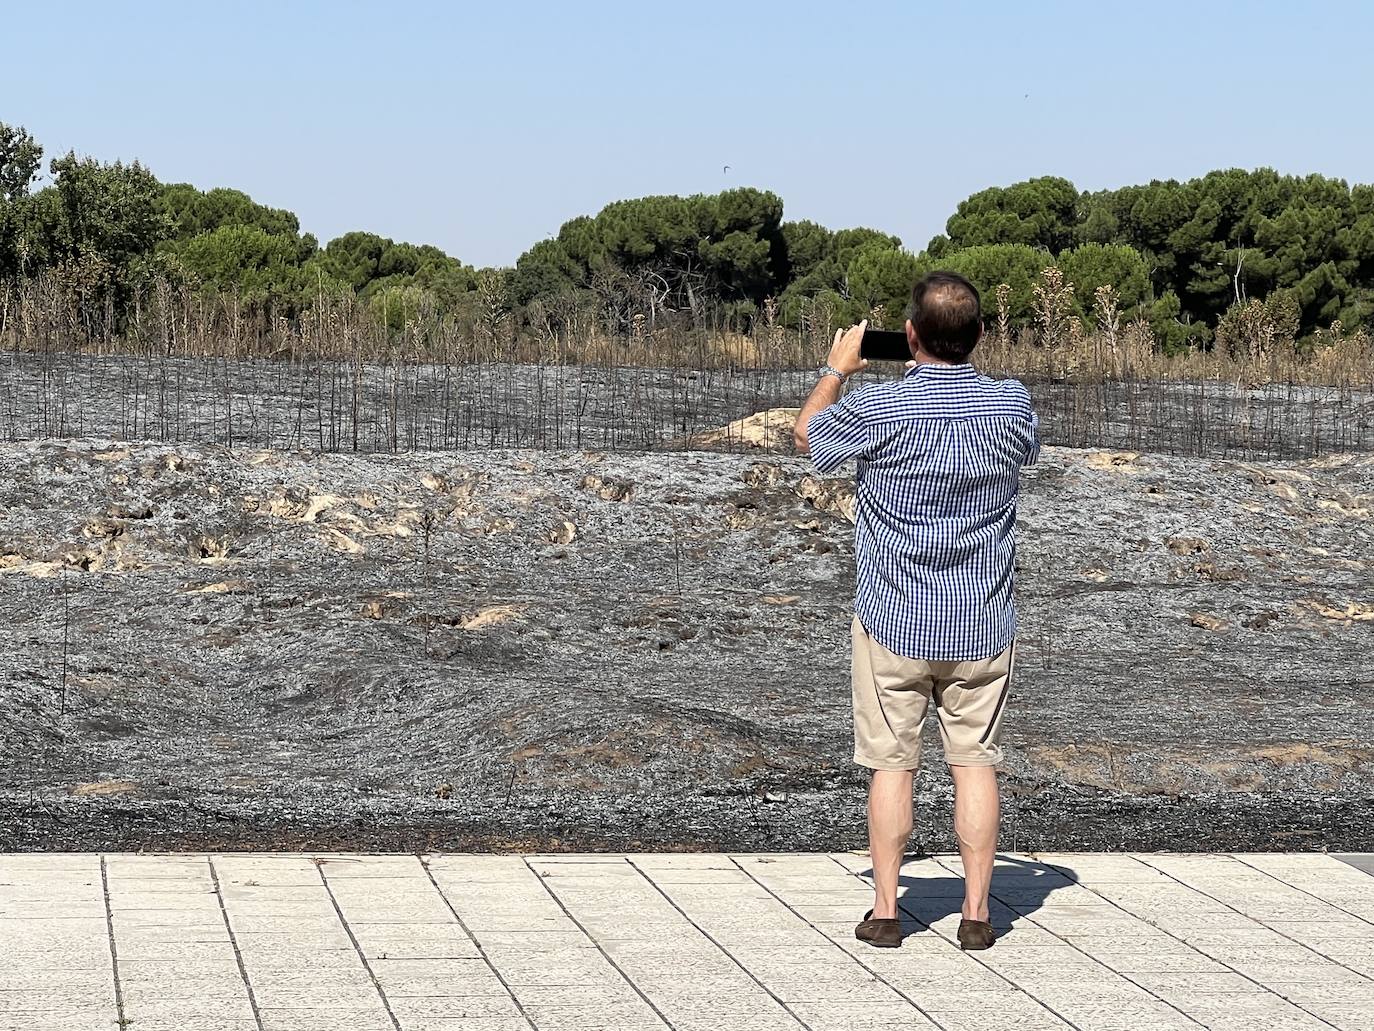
939	455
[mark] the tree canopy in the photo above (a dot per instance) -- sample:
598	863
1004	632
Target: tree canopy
1186	255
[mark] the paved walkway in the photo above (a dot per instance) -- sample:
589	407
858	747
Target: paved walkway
265	942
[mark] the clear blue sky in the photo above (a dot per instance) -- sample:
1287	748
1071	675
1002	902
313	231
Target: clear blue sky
482	127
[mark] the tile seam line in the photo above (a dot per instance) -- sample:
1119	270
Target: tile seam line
599	948
1105	966
234	943
1288	884
723	950
357	947
1320	955
992	970
481	950
831	941
122	1021
1239	973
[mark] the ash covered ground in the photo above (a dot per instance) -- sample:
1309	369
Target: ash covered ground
495	649
333	406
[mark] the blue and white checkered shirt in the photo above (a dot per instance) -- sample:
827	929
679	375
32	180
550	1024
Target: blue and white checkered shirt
939	456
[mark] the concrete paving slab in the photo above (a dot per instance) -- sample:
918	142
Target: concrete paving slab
370	1019
637	942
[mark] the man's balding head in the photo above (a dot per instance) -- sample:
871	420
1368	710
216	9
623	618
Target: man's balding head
946	316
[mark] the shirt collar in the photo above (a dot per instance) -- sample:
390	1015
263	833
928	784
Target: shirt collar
964	371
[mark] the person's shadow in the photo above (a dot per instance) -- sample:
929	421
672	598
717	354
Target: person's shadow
1019	888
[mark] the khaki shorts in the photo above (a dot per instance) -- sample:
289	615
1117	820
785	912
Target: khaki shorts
892	694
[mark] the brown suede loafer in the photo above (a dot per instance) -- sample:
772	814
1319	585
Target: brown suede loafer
975	935
882	934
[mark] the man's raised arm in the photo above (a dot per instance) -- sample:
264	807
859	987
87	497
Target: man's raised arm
843	362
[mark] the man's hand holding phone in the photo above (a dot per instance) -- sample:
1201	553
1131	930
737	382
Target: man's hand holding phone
844	352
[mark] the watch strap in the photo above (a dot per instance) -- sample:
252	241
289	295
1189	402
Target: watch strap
830	370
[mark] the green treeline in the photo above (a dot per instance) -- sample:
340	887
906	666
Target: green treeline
1179	255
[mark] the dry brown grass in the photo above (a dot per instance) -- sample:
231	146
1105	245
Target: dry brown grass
42	314
182	366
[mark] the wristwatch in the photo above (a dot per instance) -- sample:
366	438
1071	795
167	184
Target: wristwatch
830	370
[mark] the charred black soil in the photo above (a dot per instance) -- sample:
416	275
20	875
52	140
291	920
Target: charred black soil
570	649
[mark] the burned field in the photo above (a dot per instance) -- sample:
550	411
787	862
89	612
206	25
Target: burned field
328	406
562	647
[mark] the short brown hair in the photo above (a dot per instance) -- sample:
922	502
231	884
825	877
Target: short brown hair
947	314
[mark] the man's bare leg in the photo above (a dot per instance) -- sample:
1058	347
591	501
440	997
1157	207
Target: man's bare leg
889	827
976	815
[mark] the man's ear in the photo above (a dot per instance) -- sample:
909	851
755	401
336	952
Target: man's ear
981	328
911	338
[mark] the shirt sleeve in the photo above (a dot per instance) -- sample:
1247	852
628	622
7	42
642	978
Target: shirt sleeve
838	433
1033	440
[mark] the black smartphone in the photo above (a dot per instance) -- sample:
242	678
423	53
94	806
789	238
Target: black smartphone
884	345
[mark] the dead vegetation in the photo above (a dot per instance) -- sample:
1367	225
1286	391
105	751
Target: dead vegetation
182	367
